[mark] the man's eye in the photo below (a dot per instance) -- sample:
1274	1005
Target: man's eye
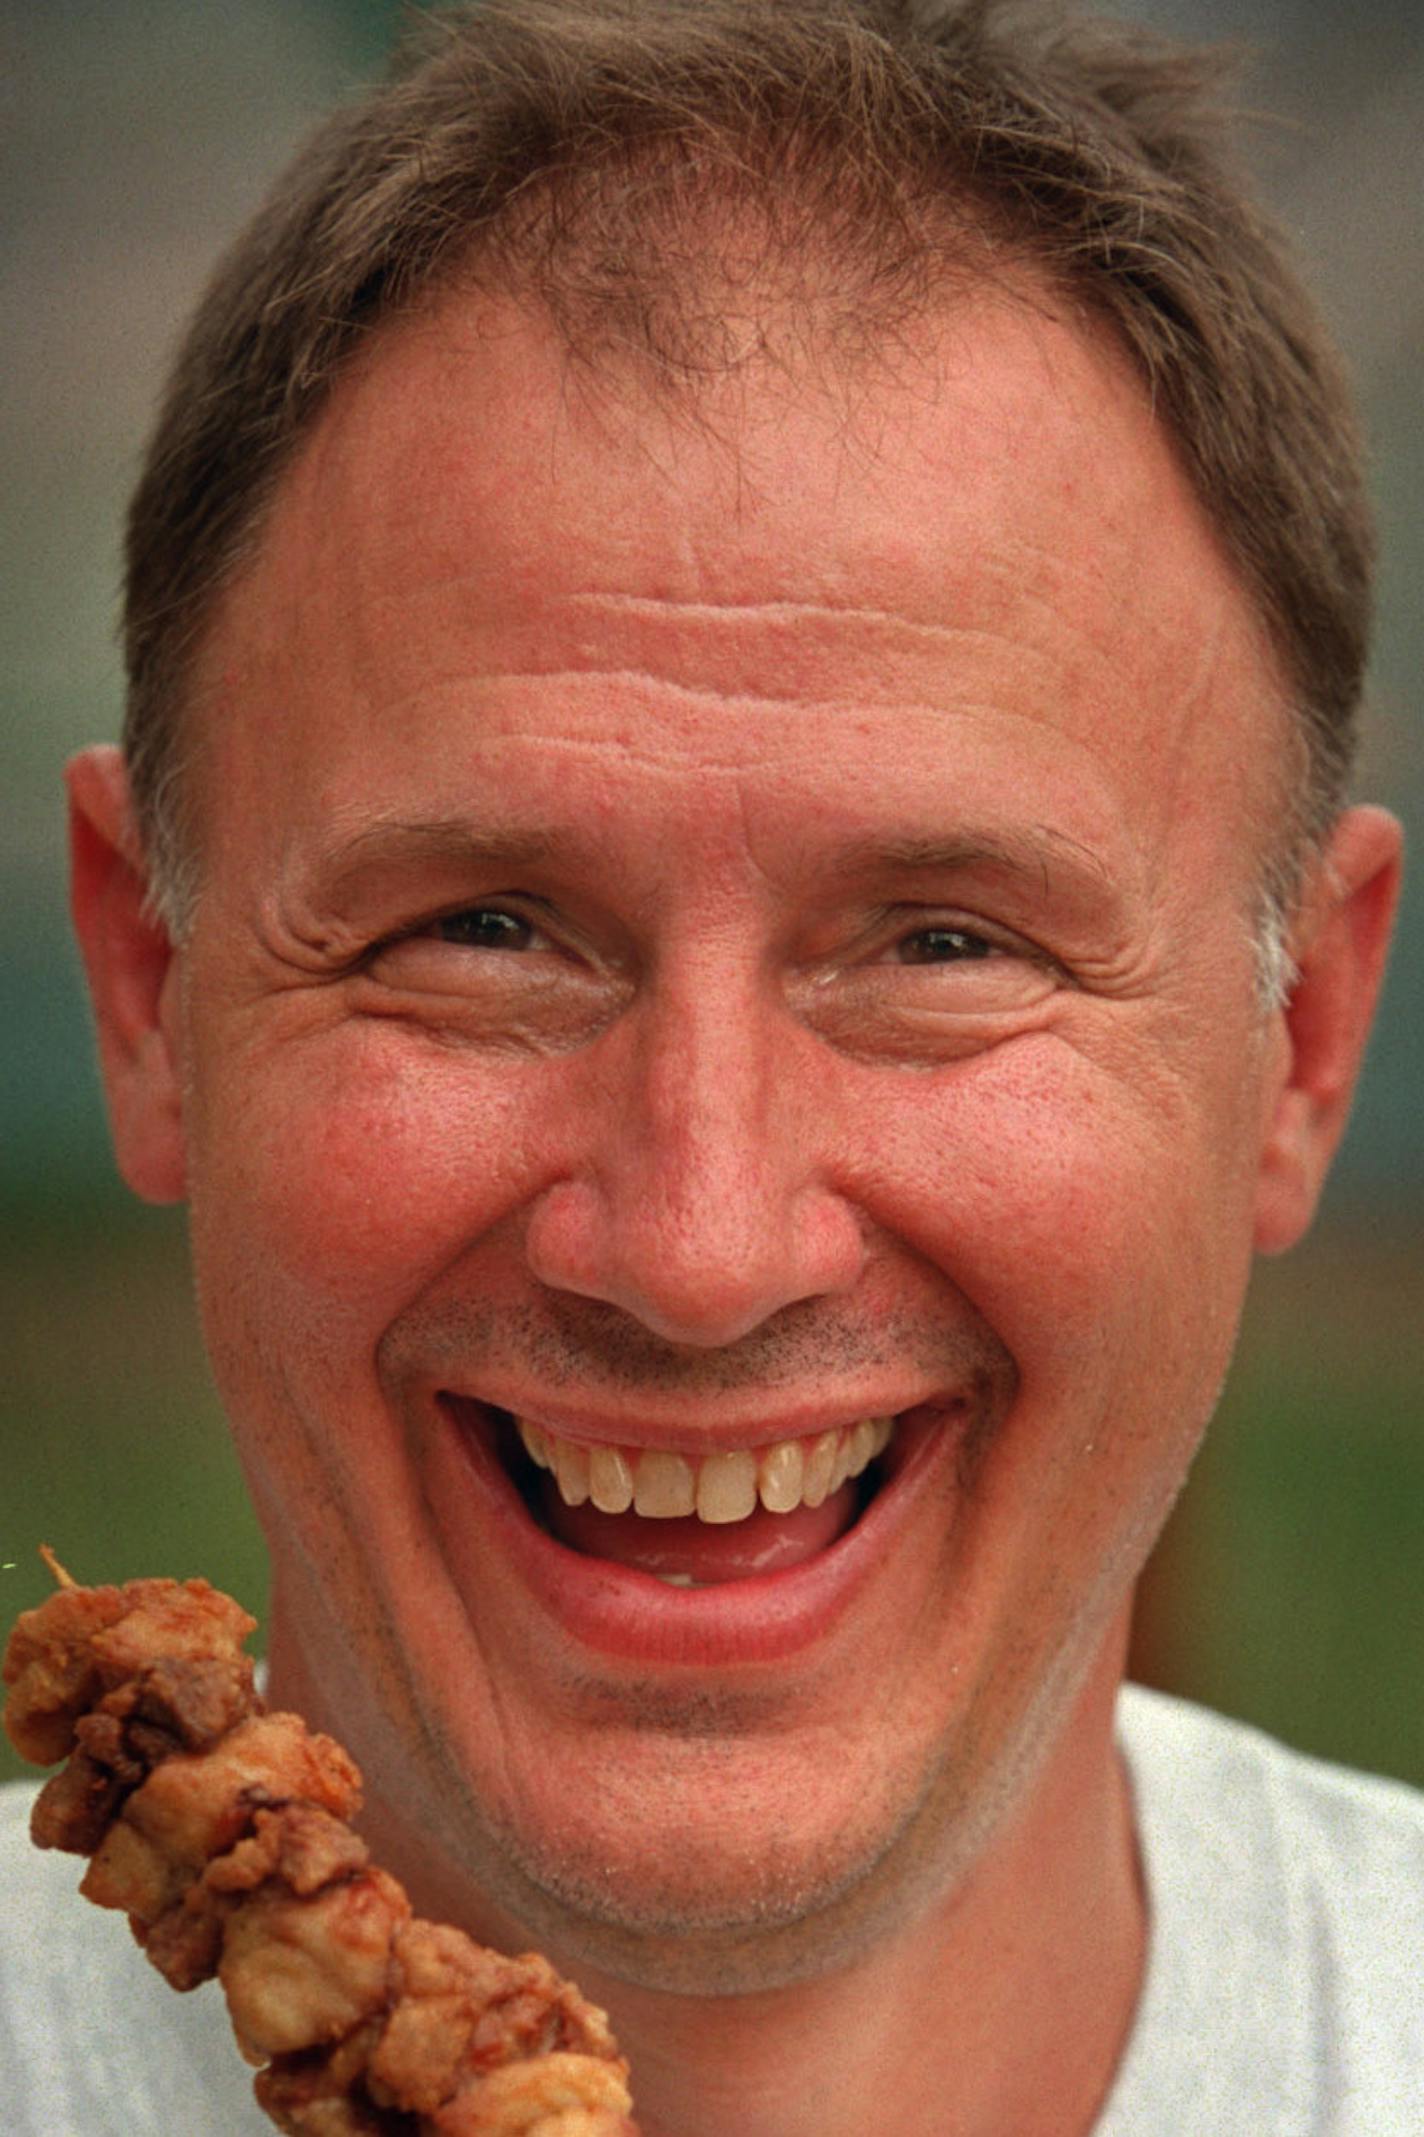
941	946
484	927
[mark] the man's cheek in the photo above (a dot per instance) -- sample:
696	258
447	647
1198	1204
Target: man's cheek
1048	1190
360	1174
1083	1229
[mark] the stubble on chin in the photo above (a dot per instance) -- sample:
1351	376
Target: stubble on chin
740	1901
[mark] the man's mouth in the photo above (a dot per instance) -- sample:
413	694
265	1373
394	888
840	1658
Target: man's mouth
740	1555
697	1520
691	1520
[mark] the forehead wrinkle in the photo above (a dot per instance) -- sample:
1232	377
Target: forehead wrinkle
483	596
786	610
1025	573
670	756
819	703
839	650
820	708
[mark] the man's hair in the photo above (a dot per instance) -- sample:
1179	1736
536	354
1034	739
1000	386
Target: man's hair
605	161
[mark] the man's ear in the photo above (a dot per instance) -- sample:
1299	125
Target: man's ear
1339	951
133	977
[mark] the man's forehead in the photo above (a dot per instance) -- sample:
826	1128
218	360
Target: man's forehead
1005	529
467	449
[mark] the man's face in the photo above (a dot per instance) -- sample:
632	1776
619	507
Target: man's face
719	925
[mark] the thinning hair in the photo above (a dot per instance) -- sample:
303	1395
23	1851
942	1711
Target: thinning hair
603	160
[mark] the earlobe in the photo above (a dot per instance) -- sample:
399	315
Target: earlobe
1339	951
133	977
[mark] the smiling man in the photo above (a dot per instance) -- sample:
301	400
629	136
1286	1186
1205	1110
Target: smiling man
728	897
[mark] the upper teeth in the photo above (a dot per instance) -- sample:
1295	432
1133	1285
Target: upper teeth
719	1487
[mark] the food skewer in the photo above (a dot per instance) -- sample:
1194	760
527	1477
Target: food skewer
223	1831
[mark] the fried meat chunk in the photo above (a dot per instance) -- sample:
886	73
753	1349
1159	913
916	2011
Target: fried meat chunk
170	1621
304	1845
76	1806
51	1671
460	2010
323	2093
553	2096
197	1805
169	1707
300	1971
129	1674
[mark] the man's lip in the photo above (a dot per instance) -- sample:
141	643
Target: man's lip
754	1430
633	1617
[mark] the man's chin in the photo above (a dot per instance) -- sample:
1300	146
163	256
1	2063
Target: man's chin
727	1908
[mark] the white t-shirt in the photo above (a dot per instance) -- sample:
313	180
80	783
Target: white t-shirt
1284	1993
1285	1975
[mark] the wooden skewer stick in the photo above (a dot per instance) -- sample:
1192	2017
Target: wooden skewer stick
61	1578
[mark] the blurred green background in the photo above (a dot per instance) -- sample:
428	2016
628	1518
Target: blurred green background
138	133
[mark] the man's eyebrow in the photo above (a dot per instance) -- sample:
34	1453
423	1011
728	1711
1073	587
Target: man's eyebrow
1039	852
440	842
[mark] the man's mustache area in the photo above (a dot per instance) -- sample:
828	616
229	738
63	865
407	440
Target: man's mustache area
704	1486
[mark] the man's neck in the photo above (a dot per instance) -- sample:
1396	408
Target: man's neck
1002	2012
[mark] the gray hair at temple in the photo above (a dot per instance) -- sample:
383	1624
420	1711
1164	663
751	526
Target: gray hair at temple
604	160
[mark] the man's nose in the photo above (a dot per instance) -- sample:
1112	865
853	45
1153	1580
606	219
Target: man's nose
704	1202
